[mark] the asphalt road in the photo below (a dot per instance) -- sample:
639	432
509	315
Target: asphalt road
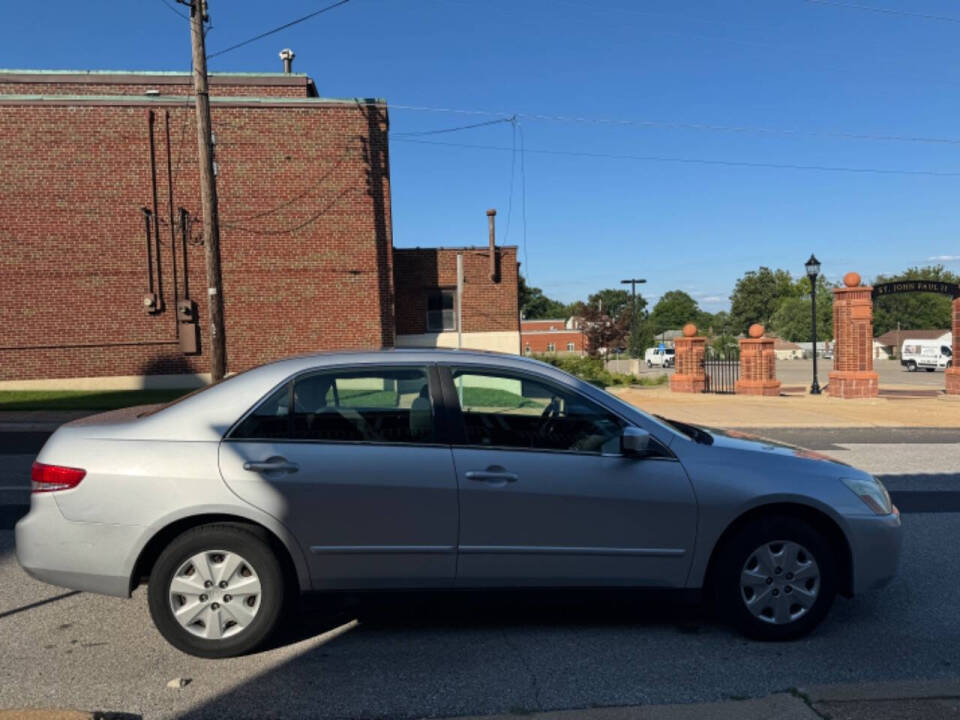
415	655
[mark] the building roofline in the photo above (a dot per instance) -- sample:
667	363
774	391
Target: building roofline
181	100
563	320
140	76
483	248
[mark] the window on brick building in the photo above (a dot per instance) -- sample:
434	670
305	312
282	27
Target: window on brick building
526	349
551	347
441	310
570	347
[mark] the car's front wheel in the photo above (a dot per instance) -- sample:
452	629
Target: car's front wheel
216	591
776	578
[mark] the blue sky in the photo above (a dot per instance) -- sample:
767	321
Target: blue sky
758	82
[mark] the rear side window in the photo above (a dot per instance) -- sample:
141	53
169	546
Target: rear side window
372	405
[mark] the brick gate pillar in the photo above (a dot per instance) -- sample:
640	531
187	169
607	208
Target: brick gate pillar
688	374
758	365
953	372
853	375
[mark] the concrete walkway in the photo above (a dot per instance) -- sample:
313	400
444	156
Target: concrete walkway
917	700
800	410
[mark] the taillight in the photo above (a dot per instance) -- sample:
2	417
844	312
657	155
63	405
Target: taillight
44	478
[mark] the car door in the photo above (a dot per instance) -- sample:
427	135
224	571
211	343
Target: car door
349	459
546	496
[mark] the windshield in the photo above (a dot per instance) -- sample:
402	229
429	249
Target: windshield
153	409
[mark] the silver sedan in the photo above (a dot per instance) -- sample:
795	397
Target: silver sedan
438	469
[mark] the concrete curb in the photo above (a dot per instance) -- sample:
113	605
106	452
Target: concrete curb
783	706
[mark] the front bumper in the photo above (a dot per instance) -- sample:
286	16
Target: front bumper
92	557
875	542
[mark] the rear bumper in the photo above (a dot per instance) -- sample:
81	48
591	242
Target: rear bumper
81	556
875	543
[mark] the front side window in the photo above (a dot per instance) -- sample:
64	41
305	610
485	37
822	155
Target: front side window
441	310
945	351
501	410
373	405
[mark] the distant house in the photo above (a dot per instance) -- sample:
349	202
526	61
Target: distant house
786	350
888	345
557	336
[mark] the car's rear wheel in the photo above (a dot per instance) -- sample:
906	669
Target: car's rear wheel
776	578
216	591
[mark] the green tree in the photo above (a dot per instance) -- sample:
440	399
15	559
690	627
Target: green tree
534	304
914	311
675	309
757	296
792	319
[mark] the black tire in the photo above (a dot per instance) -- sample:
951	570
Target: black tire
731	562
911	366
257	553
930	369
649	364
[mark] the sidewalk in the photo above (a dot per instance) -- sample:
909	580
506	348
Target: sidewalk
799	410
907	700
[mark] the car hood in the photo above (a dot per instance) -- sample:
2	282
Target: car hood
736	440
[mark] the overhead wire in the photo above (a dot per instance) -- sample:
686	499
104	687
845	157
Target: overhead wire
687	160
582	119
278	28
885	11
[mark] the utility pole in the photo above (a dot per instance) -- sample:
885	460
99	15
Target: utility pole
633	315
208	193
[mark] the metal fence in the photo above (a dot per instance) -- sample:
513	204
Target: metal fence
722	369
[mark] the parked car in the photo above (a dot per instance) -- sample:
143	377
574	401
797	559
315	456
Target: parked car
929	355
659	357
438	469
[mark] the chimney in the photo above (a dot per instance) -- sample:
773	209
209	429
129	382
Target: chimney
491	214
287	56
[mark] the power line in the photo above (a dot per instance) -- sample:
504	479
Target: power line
513	169
627	122
885	11
172	9
523	196
693	161
278	29
457	129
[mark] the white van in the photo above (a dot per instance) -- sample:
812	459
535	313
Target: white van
926	355
656	357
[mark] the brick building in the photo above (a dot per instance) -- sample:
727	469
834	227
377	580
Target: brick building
564	337
95	167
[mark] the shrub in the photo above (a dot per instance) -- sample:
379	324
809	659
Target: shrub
592	370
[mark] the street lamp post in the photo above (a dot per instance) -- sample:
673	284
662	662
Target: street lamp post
633	282
813	270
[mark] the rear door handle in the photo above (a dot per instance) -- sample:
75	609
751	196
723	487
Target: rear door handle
271	465
491	476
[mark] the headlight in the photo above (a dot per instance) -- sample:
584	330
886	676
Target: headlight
872	492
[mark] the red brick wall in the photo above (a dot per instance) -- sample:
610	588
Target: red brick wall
538	341
531	325
487	306
305	237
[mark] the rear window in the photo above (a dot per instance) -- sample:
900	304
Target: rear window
157	408
383	405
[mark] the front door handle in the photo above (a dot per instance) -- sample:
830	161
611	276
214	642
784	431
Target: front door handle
274	464
492	476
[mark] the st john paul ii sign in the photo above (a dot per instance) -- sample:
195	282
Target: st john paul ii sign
911	286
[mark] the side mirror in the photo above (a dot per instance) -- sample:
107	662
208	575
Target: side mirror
635	441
